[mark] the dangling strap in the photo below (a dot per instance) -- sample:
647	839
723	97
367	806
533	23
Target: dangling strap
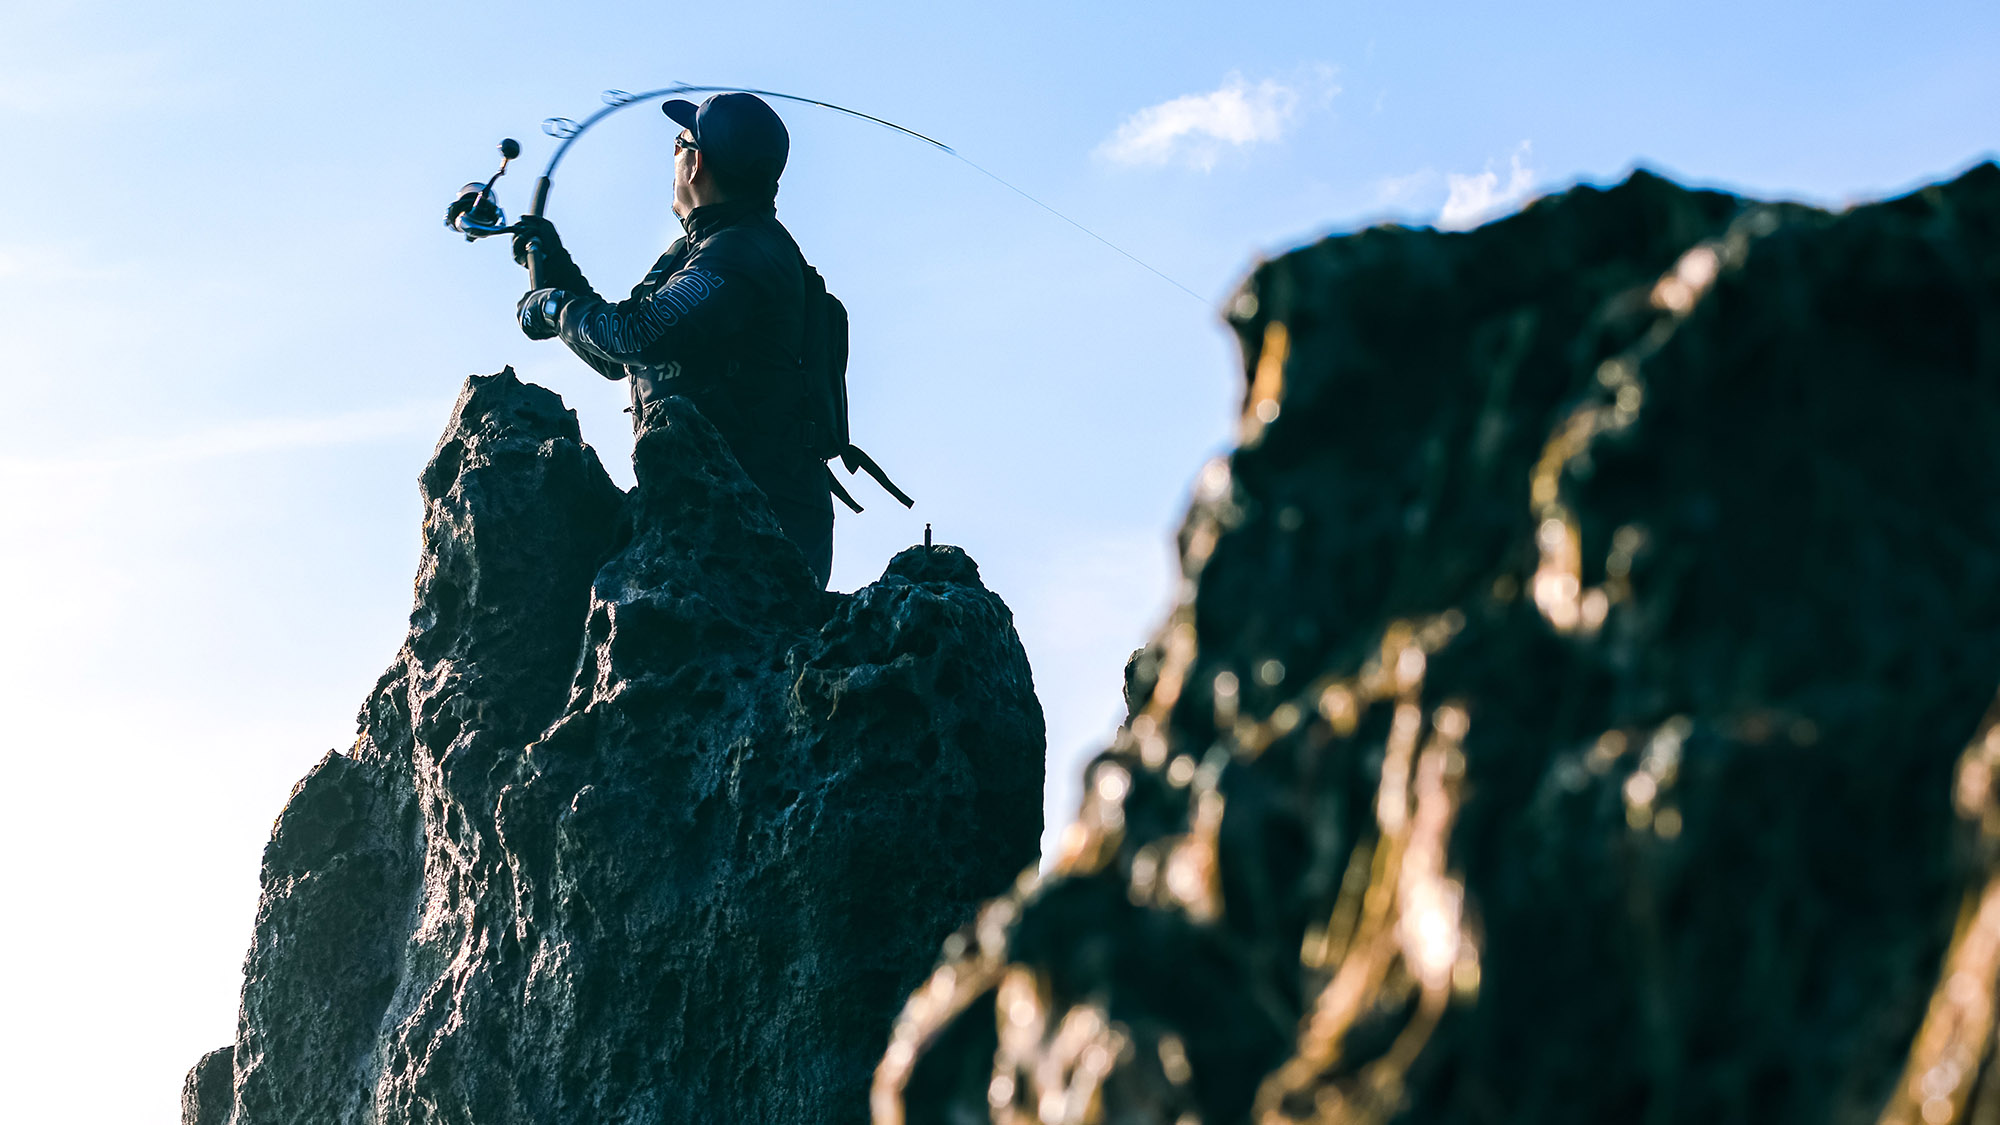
833	485
854	459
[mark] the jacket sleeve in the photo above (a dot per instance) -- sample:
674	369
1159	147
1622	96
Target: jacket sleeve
607	368
603	365
559	271
713	294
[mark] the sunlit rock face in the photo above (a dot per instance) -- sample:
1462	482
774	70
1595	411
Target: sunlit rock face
641	825
1567	715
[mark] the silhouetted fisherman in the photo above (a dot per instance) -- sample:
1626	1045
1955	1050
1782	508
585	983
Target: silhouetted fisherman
719	319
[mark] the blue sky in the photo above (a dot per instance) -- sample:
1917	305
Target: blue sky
235	328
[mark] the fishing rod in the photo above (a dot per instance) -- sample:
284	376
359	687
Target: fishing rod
476	213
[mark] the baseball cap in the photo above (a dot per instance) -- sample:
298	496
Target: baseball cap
739	132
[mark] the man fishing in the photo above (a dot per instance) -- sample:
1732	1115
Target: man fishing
720	318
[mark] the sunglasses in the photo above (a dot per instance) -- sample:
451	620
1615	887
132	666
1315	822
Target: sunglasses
682	144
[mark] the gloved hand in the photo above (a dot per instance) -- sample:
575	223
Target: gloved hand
540	313
535	228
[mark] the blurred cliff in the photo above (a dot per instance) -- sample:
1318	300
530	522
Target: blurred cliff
1574	710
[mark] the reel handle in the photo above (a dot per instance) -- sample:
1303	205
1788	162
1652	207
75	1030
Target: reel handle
481	216
477	214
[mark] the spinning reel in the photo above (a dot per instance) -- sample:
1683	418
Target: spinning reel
476	213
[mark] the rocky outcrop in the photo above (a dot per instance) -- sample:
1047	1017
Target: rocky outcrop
641	825
1567	710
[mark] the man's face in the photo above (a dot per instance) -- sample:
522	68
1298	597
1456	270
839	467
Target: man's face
687	160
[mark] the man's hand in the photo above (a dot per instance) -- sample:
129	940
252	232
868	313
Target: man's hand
540	312
534	228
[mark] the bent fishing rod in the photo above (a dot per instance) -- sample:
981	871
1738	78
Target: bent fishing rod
476	213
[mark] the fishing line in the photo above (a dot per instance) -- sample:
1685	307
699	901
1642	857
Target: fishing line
1072	222
567	131
968	161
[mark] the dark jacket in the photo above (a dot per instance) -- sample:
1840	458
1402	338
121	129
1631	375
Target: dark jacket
720	320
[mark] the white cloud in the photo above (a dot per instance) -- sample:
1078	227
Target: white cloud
1477	198
1196	129
73	521
244	437
89	82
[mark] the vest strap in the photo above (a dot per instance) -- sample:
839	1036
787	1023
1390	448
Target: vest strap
855	459
834	486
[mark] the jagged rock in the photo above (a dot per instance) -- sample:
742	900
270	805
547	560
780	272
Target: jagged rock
641	824
205	1096
1561	724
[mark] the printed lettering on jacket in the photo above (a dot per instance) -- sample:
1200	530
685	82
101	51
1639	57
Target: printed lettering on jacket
658	311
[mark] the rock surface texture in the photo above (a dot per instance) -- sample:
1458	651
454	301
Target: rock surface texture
1575	713
641	825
